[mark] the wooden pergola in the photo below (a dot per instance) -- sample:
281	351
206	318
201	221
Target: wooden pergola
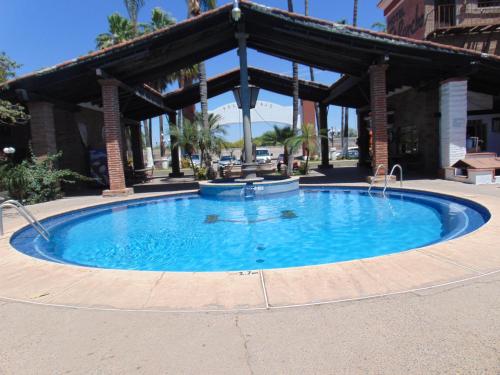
120	79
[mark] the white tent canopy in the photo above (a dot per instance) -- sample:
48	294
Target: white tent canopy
266	112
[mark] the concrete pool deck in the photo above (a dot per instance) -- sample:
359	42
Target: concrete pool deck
26	279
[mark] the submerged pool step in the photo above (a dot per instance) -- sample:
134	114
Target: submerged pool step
286	214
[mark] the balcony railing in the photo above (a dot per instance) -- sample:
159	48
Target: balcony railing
482	12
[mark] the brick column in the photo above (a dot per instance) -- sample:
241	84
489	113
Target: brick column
113	135
363	139
136	142
42	126
453	121
323	128
174	150
378	116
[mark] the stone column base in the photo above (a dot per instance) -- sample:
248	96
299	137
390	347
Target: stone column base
380	178
176	174
327	166
118	193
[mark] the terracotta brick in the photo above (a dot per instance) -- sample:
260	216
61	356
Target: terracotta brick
113	136
378	101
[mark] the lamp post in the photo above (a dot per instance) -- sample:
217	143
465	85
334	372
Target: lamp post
9	150
243	93
254	94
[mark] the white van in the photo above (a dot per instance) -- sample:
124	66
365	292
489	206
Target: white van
262	156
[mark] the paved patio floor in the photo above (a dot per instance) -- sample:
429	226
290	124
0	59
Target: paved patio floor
452	329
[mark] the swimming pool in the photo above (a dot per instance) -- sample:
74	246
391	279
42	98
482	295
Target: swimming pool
190	233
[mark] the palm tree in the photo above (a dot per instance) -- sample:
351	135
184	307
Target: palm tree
211	140
311	72
186	138
355	14
195	7
120	29
345	134
379	26
133	8
160	20
277	136
295	74
193	136
306	139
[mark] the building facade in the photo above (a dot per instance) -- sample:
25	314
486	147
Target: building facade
432	126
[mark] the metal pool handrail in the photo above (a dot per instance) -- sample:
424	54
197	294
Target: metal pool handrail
375	177
24	212
390	175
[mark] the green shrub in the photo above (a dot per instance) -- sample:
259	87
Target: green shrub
34	180
201	173
185	163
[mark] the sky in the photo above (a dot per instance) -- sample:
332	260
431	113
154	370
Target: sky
41	33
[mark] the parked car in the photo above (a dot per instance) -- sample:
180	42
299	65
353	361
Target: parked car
262	155
298	161
334	154
196	159
353	153
228	159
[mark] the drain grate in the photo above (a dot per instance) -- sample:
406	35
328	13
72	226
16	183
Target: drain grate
288	214
211	219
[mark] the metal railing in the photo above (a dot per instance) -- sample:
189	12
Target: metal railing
391	174
374	179
24	212
386	180
469	13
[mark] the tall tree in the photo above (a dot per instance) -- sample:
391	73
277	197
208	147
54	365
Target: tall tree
355	14
10	114
305	138
311	72
345	135
295	115
120	29
160	20
133	8
195	7
306	13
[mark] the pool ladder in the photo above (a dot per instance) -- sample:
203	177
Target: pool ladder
386	180
24	212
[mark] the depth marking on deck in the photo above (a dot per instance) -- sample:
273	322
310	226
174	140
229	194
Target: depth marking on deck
263	283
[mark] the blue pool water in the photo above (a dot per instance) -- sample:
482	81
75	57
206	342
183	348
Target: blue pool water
191	233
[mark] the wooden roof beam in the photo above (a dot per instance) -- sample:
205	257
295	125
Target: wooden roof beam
340	87
143	92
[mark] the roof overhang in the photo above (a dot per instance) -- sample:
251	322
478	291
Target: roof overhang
220	84
313	42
